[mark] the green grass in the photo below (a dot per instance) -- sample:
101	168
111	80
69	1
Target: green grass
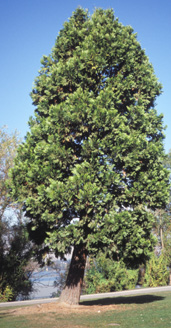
143	311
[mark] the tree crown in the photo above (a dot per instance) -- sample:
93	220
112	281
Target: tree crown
95	149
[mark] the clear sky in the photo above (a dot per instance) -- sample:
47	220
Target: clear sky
28	29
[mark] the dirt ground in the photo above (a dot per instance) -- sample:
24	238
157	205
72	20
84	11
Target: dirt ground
65	309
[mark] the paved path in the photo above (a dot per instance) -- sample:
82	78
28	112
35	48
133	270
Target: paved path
138	291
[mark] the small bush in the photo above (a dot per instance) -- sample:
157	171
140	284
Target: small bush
157	273
105	275
7	295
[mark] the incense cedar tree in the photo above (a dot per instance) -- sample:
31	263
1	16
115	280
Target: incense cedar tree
95	147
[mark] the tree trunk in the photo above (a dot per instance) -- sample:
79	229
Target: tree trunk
161	237
72	290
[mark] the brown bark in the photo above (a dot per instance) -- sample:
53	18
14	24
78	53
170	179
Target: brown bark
161	237
72	290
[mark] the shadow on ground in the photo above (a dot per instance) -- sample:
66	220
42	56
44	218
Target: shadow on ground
4	313
140	299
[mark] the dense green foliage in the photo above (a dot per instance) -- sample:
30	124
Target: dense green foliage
104	275
162	224
95	147
157	273
15	254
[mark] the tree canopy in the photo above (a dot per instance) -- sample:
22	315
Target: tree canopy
91	167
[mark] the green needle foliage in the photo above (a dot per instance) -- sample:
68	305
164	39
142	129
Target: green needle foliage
95	147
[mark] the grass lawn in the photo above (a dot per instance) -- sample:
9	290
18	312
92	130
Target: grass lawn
142	311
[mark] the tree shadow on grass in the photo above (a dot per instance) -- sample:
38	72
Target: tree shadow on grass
139	299
6	313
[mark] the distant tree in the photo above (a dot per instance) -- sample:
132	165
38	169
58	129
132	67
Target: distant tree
162	228
8	148
162	223
16	252
15	248
91	168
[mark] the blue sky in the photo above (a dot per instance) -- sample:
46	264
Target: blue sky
28	30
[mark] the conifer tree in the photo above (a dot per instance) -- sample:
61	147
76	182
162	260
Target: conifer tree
90	170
